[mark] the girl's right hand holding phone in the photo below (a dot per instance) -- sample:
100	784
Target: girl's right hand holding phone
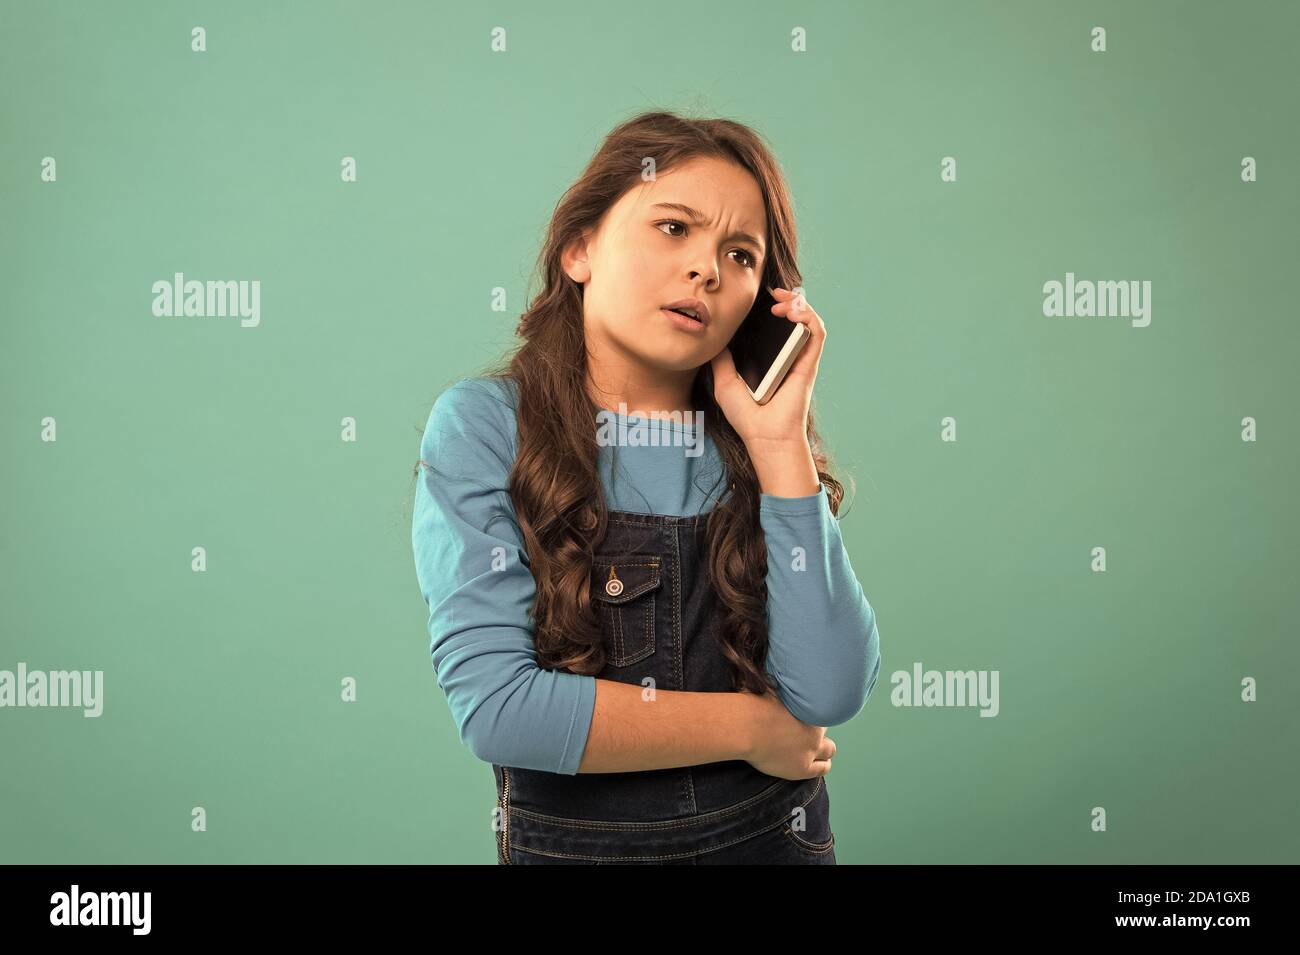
783	746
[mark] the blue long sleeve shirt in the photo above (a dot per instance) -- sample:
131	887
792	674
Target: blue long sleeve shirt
472	568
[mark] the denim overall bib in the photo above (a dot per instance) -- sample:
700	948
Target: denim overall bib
659	617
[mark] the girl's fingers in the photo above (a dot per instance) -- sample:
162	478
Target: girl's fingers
797	310
810	358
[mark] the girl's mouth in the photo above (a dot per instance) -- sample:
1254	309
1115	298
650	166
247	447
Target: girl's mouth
684	322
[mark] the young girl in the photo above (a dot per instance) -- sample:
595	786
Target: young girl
647	640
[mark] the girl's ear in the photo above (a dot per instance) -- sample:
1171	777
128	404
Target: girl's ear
574	259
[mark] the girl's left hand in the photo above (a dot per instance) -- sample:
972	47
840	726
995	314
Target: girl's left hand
784	419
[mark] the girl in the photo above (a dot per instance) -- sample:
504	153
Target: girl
647	640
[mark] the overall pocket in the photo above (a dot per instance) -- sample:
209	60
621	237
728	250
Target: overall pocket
623	590
815	837
816	848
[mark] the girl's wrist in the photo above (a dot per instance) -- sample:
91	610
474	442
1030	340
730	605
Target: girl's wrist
747	730
785	469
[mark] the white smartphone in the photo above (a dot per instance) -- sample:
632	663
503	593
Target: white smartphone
765	346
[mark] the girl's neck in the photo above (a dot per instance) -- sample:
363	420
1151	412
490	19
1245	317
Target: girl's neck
647	401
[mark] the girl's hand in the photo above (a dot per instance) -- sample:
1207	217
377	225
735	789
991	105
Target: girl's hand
782	745
783	421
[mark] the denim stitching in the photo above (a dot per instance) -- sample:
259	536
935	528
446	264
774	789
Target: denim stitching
616	624
678	855
667	521
649	614
687	776
668	824
651	582
622	655
820	848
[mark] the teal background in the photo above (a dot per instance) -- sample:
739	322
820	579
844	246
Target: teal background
1118	689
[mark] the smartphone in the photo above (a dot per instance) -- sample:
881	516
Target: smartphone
765	346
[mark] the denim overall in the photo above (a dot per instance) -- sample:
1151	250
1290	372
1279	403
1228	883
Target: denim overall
660	617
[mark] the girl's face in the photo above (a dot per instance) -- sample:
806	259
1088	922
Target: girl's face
648	252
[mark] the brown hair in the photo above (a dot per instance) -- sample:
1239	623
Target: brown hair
554	482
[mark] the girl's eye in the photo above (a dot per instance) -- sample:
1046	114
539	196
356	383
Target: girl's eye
749	259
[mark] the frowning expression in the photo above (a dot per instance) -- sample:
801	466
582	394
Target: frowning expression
697	232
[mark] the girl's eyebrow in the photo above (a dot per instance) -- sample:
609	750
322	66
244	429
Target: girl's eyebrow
697	218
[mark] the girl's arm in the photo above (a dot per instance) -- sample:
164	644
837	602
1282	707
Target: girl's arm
472	571
630	733
823	644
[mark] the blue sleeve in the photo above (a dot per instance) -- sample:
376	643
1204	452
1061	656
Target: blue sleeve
473	573
823	646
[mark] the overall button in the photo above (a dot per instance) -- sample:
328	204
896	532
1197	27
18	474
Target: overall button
625	590
613	586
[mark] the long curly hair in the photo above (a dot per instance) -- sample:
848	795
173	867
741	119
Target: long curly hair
554	482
